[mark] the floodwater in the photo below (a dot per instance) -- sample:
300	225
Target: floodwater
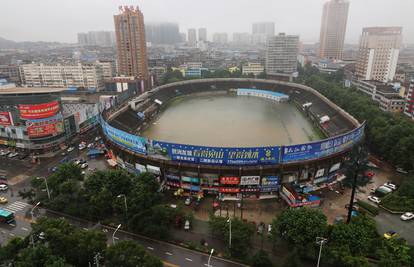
230	121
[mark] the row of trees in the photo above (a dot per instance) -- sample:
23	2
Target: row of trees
349	245
390	136
101	196
56	243
175	75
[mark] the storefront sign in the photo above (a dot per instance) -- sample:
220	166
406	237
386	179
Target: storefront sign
229	190
39	111
229	180
6	119
270	180
249	180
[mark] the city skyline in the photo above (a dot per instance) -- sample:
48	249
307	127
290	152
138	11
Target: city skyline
73	19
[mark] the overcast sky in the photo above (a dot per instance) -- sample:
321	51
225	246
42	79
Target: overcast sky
60	20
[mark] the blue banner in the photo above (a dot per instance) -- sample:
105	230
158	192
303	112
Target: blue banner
322	148
129	141
216	155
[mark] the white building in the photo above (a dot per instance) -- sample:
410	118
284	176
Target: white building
379	48
61	76
252	68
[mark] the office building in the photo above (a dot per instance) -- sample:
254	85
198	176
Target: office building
281	55
97	38
220	37
192	37
379	48
79	75
162	33
252	68
202	35
333	28
130	43
11	73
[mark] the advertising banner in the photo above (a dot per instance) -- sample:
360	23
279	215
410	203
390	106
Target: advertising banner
217	155
249	180
229	190
45	127
270	181
129	141
229	180
6	119
39	111
322	148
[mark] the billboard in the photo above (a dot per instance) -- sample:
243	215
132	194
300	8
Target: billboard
322	148
249	180
124	139
39	111
217	155
6	118
229	180
45	127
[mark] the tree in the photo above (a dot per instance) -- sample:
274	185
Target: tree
293	259
394	252
129	254
261	259
39	256
10	251
300	226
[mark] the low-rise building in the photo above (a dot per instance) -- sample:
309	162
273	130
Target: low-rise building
252	68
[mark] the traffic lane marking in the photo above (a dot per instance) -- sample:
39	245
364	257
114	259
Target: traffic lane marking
150	248
187	259
24	229
166	263
168	253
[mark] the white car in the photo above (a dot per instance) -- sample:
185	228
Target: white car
12	155
374	199
4	187
77	161
390	185
70	149
407	216
84	165
91	145
82	146
4	152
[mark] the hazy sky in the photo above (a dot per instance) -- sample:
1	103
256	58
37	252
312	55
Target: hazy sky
60	20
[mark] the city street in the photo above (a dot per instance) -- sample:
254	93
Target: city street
387	221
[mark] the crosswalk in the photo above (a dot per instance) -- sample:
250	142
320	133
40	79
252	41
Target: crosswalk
16	206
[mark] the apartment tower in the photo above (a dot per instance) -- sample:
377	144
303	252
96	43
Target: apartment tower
378	52
192	37
130	42
333	28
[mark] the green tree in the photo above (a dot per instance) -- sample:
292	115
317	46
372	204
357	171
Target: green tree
293	259
394	252
10	251
261	259
300	226
39	256
129	254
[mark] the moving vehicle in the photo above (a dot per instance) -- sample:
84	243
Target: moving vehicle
82	146
390	234
3	200
374	199
187	225
390	185
4	187
407	216
6	216
187	201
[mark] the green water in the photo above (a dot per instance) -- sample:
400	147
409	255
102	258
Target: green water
230	121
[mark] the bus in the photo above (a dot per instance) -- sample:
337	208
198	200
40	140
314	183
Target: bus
6	216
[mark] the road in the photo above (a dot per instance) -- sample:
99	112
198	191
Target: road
387	221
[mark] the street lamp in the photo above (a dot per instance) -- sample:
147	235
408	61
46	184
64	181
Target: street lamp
320	241
47	187
125	203
229	221
31	211
113	235
209	258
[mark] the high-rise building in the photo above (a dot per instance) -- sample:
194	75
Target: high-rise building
379	48
409	101
192	37
220	37
333	28
98	38
162	33
281	55
262	31
183	37
202	34
130	43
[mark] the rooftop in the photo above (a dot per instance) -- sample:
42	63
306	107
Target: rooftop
30	90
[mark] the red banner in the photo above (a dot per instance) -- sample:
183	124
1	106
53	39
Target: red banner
6	119
229	180
229	190
39	111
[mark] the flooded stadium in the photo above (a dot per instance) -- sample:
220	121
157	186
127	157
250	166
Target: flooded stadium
231	121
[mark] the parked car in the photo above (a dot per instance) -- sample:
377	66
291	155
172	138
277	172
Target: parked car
374	199
390	185
4	187
70	149
390	234
4	152
13	154
3	200
77	161
54	169
187	225
187	201
407	216
82	146
269	229
90	145
97	138
84	165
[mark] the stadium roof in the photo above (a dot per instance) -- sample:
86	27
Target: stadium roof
30	90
